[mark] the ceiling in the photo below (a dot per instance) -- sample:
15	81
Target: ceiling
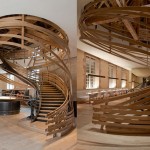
101	54
141	72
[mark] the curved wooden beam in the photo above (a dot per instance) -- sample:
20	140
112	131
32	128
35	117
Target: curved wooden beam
117	19
46	47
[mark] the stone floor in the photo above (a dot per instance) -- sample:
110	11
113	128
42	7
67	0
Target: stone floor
14	136
84	115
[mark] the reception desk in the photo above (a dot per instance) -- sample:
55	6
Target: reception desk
9	105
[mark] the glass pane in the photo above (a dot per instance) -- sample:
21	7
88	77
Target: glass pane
112	83
123	83
90	69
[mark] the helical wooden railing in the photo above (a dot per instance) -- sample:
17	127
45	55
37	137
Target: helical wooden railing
115	28
61	119
31	47
120	28
9	81
125	114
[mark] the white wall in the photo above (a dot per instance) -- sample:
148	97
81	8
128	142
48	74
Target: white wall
61	12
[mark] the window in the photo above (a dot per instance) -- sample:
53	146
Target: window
90	69
112	74
134	81
123	78
10	86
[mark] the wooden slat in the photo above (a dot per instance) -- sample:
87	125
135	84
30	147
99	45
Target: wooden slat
46	45
133	118
124	21
100	101
127	126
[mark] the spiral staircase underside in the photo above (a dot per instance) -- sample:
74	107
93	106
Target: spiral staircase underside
36	51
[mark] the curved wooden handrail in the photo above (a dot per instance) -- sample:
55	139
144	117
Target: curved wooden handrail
36	33
63	66
7	80
37	19
56	81
46	45
61	85
62	116
5	66
119	114
100	24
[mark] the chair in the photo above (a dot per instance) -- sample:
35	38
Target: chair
92	97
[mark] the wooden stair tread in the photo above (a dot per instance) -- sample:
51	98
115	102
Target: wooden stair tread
43	85
52	102
49	104
52	96
47	89
44	107
42	114
42	118
51	99
45	93
45	111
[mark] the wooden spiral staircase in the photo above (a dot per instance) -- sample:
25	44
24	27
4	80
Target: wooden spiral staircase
120	28
103	24
125	114
36	51
51	98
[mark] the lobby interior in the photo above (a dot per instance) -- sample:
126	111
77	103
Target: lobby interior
38	76
112	70
75	75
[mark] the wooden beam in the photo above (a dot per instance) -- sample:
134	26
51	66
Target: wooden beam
22	32
94	75
135	82
104	20
131	29
9	81
124	79
128	24
116	19
113	78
